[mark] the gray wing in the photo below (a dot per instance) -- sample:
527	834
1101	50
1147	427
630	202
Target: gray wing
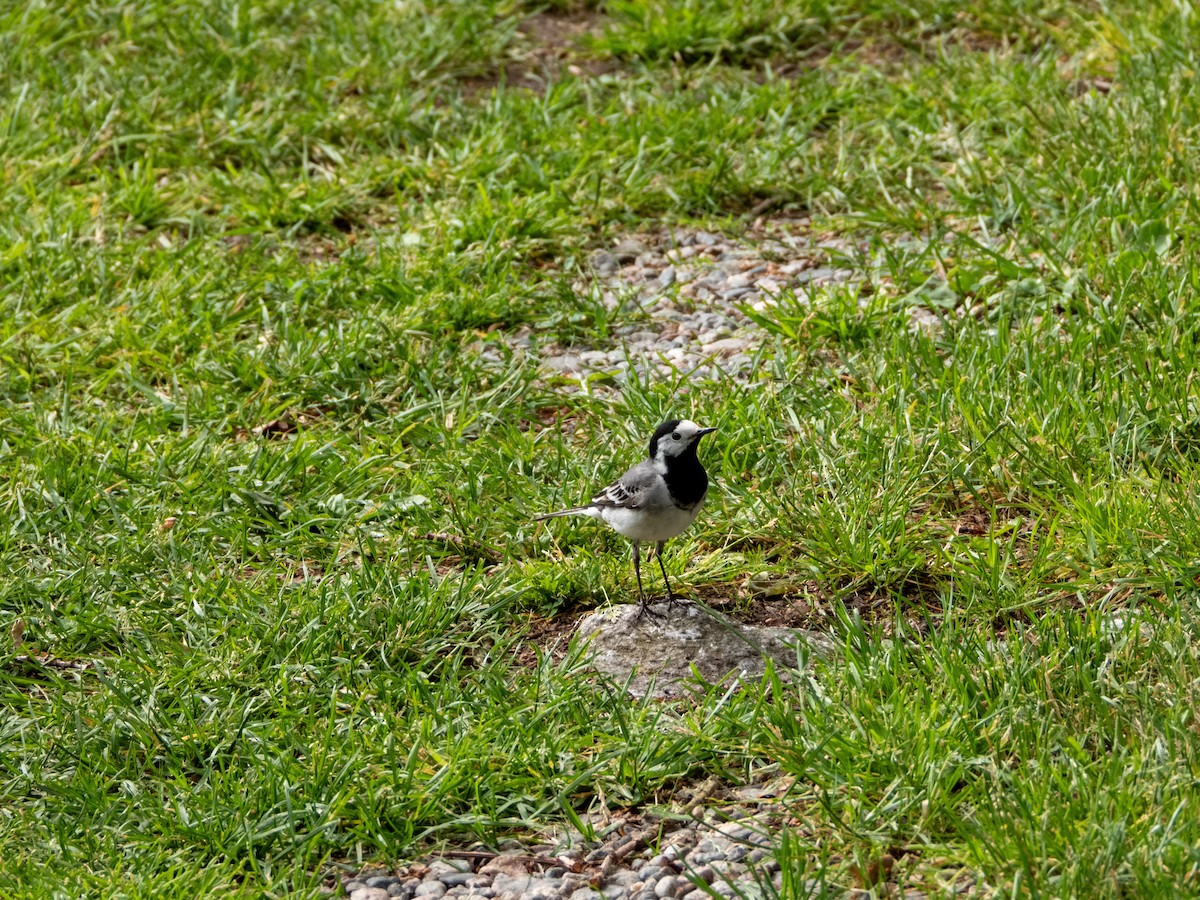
629	491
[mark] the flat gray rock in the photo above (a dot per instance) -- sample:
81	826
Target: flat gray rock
662	646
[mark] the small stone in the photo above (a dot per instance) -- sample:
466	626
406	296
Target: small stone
666	277
441	866
737	853
453	879
819	275
396	889
434	889
540	889
705	874
503	882
370	893
382	881
355	885
586	893
566	362
735	831
625	878
605	264
795	267
731	294
665	887
628	250
555	872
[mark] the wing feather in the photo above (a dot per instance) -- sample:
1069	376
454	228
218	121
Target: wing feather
628	491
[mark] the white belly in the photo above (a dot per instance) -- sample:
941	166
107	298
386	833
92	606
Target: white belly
640	525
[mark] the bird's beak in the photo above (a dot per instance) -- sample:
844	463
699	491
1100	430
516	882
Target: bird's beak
702	432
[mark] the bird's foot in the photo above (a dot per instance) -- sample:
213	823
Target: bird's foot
672	597
645	610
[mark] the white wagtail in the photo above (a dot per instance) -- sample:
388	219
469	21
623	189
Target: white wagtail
656	499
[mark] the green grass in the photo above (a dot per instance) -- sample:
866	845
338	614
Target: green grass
224	215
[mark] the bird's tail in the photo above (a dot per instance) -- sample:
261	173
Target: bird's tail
573	511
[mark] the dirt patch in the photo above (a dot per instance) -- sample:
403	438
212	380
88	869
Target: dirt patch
555	43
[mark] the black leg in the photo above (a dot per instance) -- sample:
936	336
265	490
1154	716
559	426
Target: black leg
659	554
637	570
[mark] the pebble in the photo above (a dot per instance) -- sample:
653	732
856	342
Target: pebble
370	893
605	264
434	889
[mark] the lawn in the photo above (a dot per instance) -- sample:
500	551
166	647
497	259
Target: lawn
278	283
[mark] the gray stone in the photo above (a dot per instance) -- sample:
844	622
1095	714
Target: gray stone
396	889
355	885
663	646
446	864
382	881
370	893
566	362
737	852
541	889
605	264
433	889
624	878
628	250
735	831
503	883
665	887
452	879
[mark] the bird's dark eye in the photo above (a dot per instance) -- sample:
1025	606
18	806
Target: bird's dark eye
675	436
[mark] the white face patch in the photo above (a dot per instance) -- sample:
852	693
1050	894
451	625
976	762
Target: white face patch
677	441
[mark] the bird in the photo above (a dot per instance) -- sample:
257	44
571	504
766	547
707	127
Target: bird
656	499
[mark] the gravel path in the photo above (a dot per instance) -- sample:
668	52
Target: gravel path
678	301
643	857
